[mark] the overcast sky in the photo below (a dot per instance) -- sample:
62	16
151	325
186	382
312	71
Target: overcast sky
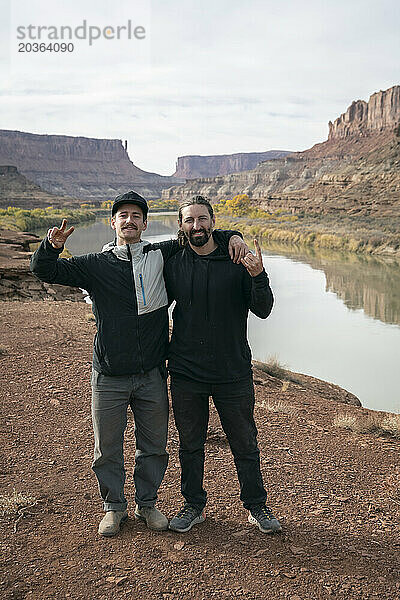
210	77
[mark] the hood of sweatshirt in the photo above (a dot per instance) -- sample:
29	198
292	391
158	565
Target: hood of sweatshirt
127	251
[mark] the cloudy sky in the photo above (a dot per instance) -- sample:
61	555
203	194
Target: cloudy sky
211	77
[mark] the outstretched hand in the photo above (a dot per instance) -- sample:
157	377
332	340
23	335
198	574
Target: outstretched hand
253	264
58	236
237	248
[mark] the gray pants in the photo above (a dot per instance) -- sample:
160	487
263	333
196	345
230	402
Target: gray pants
146	394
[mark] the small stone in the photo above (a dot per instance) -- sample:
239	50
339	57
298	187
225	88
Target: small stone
179	545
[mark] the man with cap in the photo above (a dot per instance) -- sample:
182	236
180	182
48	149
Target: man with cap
130	304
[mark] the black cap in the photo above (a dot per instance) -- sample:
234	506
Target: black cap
130	198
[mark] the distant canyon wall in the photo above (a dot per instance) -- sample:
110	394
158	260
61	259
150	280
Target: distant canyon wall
190	167
87	169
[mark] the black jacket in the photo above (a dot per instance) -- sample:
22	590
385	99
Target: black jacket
129	300
213	296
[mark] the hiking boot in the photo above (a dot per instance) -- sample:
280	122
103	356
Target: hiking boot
111	522
186	518
262	516
153	517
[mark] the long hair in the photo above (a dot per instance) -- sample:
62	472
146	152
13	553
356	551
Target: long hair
195	200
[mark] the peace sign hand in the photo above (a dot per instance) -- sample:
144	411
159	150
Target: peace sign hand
57	236
253	264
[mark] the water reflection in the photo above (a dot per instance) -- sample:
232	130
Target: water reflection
362	281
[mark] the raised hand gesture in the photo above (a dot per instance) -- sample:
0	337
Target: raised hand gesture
57	236
253	264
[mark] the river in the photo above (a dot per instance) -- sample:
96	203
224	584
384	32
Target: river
336	315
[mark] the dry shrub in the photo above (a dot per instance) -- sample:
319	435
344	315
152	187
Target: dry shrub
10	504
391	425
278	406
344	421
370	423
272	367
3	351
90	317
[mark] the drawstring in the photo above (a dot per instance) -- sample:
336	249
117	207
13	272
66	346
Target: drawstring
207	262
191	280
192	283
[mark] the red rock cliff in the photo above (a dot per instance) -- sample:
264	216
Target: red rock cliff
381	112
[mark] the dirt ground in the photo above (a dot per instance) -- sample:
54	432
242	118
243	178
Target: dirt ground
336	492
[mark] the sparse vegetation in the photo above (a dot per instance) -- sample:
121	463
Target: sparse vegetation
275	369
170	204
278	406
391	425
19	219
370	423
367	234
272	367
12	503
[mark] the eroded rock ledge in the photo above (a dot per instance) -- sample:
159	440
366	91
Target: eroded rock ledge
16	280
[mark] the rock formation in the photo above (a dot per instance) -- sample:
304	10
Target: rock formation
87	169
381	112
189	167
16	280
357	169
17	190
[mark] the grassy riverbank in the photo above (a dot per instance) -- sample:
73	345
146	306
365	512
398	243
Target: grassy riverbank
18	219
350	234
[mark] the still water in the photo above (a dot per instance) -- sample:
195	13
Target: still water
336	316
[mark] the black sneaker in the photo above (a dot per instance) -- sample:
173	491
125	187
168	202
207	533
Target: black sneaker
186	518
262	516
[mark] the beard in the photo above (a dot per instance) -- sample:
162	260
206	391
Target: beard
199	240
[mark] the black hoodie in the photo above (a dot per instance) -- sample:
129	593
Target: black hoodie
213	296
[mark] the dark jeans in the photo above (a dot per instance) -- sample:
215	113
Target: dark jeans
235	405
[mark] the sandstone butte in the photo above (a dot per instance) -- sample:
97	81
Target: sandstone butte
78	168
355	171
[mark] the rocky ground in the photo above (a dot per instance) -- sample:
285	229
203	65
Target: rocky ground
16	279
336	492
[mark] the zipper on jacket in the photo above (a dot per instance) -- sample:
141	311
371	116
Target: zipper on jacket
142	286
137	307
